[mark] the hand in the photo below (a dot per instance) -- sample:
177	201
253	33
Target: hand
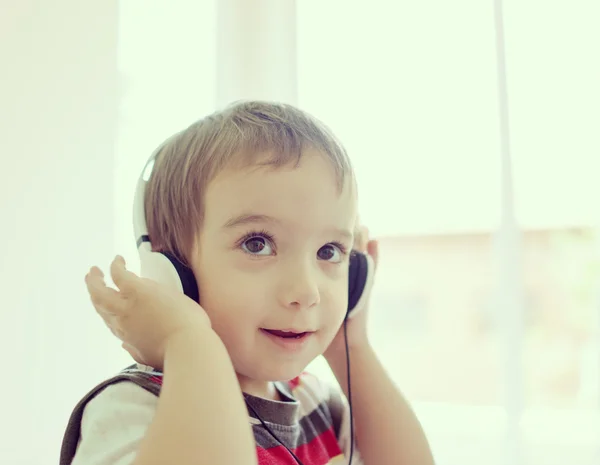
357	325
142	313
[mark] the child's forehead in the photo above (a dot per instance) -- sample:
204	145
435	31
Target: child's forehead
245	160
307	191
259	172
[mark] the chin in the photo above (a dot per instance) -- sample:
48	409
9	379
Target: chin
282	371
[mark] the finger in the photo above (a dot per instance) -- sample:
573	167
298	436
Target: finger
112	323
115	328
361	239
109	321
373	251
103	297
95	271
121	276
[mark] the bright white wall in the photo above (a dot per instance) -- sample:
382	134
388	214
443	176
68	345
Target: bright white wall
168	63
58	107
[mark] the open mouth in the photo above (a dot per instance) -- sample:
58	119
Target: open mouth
286	334
290	340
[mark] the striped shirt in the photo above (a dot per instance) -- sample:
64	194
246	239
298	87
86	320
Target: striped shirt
312	420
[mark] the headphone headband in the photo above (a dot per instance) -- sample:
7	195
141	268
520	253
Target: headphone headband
140	228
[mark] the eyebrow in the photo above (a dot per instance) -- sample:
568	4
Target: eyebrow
249	218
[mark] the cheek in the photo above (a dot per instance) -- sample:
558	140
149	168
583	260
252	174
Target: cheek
230	296
335	304
229	313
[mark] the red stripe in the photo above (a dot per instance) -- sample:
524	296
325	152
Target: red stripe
295	382
156	379
319	451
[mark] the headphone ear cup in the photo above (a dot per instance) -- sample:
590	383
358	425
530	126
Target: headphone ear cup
168	270
186	277
360	281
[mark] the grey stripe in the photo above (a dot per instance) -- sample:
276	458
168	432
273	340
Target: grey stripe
303	432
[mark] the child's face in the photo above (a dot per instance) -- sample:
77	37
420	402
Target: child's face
271	256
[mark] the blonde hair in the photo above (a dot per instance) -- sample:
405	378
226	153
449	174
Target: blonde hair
238	136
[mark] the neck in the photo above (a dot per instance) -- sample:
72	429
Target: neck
263	389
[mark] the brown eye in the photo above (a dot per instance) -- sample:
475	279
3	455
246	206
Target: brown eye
256	245
330	253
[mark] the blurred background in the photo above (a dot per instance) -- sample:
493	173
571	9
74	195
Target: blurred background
474	127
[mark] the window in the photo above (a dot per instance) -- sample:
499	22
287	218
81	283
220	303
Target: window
411	89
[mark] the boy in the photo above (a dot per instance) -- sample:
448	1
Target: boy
259	201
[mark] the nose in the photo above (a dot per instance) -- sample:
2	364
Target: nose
299	286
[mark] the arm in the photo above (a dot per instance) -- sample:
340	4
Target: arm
200	413
386	429
200	417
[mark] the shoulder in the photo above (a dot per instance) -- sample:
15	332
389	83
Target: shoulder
115	399
113	423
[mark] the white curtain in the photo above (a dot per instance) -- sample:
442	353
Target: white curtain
89	89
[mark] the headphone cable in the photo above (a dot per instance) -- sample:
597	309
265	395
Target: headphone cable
349	391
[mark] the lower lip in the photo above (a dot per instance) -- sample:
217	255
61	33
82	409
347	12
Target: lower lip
289	343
